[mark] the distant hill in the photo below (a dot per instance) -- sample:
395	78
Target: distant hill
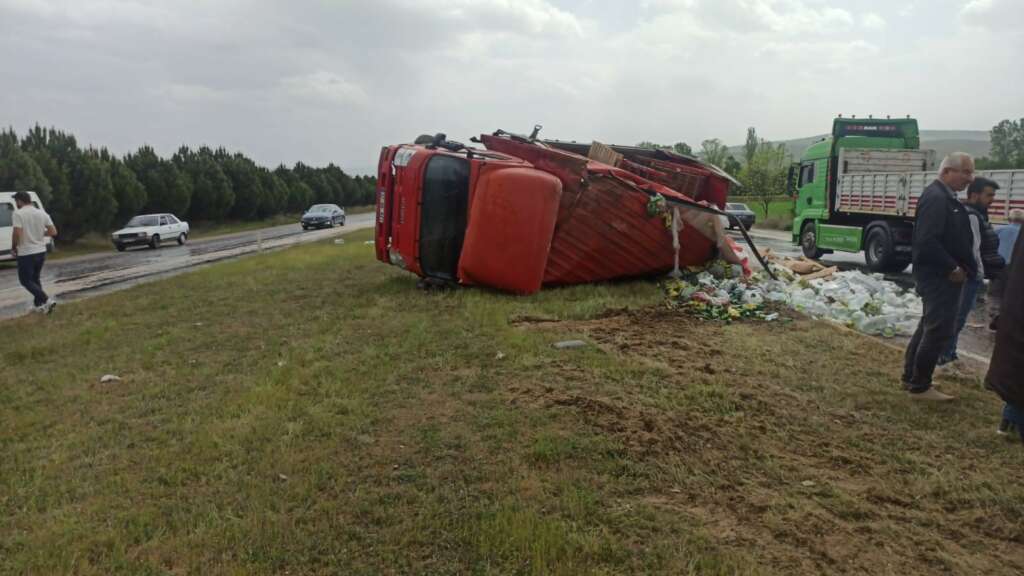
974	142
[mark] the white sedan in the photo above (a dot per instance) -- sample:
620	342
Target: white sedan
150	230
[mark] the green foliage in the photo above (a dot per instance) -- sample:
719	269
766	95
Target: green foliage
167	190
275	194
764	175
18	171
732	166
678	147
129	194
714	151
212	192
299	195
751	146
1007	146
93	204
56	154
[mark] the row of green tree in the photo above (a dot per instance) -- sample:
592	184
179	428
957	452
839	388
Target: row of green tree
1007	140
91	190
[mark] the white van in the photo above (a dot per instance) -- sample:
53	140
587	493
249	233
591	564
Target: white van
7	208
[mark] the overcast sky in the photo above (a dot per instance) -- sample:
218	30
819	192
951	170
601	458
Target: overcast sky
331	81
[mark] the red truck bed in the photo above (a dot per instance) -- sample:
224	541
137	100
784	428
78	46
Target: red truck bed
523	214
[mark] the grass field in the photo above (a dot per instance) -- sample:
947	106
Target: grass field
778	217
311	412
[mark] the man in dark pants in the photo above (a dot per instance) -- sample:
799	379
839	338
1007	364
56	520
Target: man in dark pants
990	264
943	259
31	228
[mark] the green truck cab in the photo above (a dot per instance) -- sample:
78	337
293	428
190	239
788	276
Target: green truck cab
823	225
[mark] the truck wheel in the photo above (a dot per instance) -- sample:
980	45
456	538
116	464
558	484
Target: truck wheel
809	241
880	253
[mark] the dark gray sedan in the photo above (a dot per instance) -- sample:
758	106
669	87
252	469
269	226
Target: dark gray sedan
745	215
323	216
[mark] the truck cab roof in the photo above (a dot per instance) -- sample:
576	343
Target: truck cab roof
875	133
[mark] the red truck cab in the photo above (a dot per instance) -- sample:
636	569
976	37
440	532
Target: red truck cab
423	202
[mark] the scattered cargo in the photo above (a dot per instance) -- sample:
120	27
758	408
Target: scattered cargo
867	303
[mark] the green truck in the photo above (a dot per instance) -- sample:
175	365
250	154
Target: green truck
858	188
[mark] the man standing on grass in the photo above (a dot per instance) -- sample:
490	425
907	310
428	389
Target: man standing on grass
985	246
32	227
1006	372
943	259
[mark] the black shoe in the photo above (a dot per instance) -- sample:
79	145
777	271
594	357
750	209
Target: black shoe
1006	427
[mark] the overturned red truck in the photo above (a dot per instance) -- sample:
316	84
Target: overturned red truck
523	213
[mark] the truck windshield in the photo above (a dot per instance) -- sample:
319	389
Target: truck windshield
443	217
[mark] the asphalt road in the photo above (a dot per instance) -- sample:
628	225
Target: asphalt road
976	341
93	274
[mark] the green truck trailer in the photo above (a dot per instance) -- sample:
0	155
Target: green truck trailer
858	188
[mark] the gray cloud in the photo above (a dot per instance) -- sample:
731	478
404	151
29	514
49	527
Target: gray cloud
322	81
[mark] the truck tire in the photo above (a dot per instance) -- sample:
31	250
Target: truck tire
880	252
809	241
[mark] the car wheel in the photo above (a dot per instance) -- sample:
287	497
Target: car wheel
809	241
182	238
154	242
120	247
343	221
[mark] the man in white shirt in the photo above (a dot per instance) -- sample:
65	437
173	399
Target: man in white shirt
32	227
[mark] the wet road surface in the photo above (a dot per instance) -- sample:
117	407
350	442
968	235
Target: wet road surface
93	274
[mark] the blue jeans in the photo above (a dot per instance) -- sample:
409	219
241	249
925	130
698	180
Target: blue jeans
1013	415
968	297
29	269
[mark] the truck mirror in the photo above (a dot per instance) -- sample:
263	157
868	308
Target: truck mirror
791	180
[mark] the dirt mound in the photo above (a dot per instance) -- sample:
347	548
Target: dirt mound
796	459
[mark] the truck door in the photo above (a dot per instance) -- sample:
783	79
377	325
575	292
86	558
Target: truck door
443	215
806	196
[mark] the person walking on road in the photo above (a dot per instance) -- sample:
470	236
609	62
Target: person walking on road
943	260
1007	366
985	247
32	227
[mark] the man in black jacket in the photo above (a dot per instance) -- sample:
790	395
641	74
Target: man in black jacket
980	195
943	259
